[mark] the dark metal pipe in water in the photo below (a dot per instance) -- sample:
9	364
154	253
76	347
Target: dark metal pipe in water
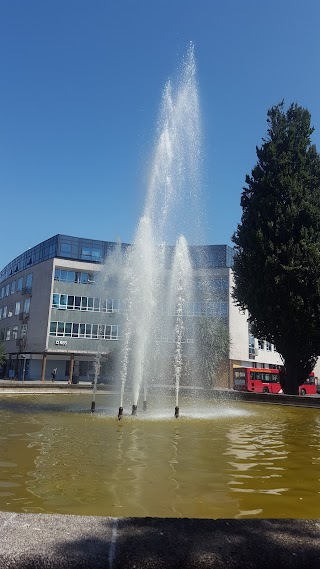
176	412
120	413
134	409
93	406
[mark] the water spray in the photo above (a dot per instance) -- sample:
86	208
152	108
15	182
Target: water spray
144	405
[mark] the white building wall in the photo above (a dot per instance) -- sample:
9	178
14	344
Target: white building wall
239	338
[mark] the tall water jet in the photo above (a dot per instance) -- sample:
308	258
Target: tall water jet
180	296
155	274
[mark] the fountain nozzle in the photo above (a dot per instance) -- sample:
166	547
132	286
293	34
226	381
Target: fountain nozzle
120	413
144	406
93	406
134	409
176	412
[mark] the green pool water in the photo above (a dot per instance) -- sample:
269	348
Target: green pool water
222	460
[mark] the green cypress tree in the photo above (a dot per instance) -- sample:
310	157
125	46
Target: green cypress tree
277	244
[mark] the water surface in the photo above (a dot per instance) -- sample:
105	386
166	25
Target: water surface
216	461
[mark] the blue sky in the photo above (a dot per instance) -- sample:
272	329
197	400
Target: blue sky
81	83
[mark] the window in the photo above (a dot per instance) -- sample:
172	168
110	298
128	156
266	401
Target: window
26	306
7	290
70	302
2	334
75	330
19	285
29	282
0	313
5	310
67	329
83	278
15	332
13	287
53	328
8	333
24	329
10	310
60	331
2	292
73	276
96	254
261	344
251	346
223	309
111	333
65	247
63	302
268	347
55	300
112	305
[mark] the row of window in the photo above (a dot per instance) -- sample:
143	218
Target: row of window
200	283
15	309
261	345
12	333
212	284
92	331
16	286
265	345
87	252
265	377
74	276
108	332
70	302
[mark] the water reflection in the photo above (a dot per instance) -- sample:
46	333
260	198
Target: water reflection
274	464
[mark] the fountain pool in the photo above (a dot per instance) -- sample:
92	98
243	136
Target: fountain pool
219	460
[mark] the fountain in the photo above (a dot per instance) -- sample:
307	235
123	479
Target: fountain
222	459
156	274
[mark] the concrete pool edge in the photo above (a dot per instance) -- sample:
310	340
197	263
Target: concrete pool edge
50	541
29	388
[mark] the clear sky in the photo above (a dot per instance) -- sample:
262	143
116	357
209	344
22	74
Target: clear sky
81	82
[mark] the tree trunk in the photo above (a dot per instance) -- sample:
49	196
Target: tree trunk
291	378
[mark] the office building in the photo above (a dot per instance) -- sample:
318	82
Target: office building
55	314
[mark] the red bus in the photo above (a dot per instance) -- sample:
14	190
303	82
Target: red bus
266	381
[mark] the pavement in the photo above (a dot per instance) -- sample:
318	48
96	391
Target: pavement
34	541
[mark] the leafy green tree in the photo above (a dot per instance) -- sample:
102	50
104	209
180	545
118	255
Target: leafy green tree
277	244
213	344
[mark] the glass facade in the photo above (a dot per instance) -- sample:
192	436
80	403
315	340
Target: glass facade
93	251
63	246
